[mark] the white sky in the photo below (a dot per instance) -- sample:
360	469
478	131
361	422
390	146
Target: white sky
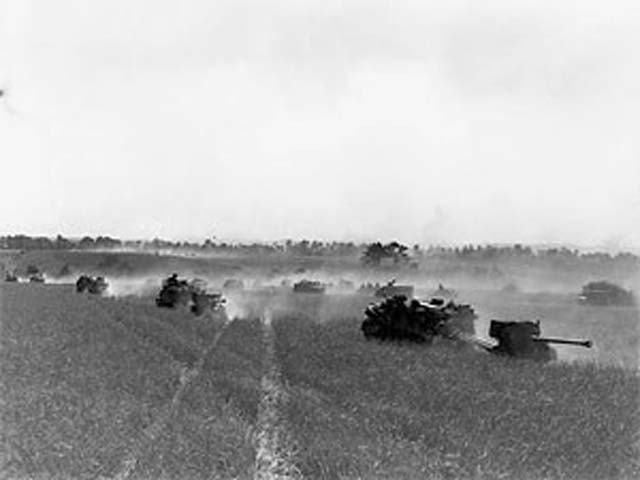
425	121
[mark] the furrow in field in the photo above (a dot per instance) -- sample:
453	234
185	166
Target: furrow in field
153	431
274	446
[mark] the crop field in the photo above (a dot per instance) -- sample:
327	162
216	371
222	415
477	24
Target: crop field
86	381
286	386
370	410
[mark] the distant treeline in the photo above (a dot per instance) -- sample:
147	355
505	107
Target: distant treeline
377	251
303	247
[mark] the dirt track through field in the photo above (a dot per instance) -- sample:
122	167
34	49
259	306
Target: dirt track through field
151	433
274	448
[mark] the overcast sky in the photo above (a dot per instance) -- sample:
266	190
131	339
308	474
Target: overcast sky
442	121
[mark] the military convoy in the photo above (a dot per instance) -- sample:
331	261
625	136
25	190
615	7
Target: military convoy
176	292
398	318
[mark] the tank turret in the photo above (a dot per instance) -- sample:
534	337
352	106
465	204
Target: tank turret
523	340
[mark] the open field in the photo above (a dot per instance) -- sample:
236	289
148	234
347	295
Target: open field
370	410
93	387
84	380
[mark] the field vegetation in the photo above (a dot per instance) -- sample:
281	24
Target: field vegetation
82	380
86	380
376	410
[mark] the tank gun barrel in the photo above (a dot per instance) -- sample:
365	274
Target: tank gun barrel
563	341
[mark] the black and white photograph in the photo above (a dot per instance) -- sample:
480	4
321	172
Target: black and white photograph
319	239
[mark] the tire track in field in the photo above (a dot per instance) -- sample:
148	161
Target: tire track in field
153	431
274	448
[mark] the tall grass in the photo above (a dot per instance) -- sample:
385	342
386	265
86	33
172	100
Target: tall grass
81	378
211	435
372	410
74	388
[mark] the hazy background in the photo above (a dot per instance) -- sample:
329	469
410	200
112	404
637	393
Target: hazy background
423	121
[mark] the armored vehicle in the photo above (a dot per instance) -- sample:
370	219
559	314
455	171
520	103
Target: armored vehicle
523	340
233	284
398	318
605	293
201	301
36	277
177	292
368	288
308	286
82	284
391	289
96	286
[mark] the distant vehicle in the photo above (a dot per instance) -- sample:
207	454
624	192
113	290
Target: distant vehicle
391	289
95	286
308	286
177	292
10	277
368	288
37	278
233	284
603	293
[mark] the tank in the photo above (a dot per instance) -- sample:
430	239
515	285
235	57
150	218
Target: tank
174	292
177	292
233	284
368	288
308	286
99	286
82	284
95	286
603	293
391	289
202	302
523	340
36	277
398	318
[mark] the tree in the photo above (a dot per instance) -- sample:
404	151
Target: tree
376	252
